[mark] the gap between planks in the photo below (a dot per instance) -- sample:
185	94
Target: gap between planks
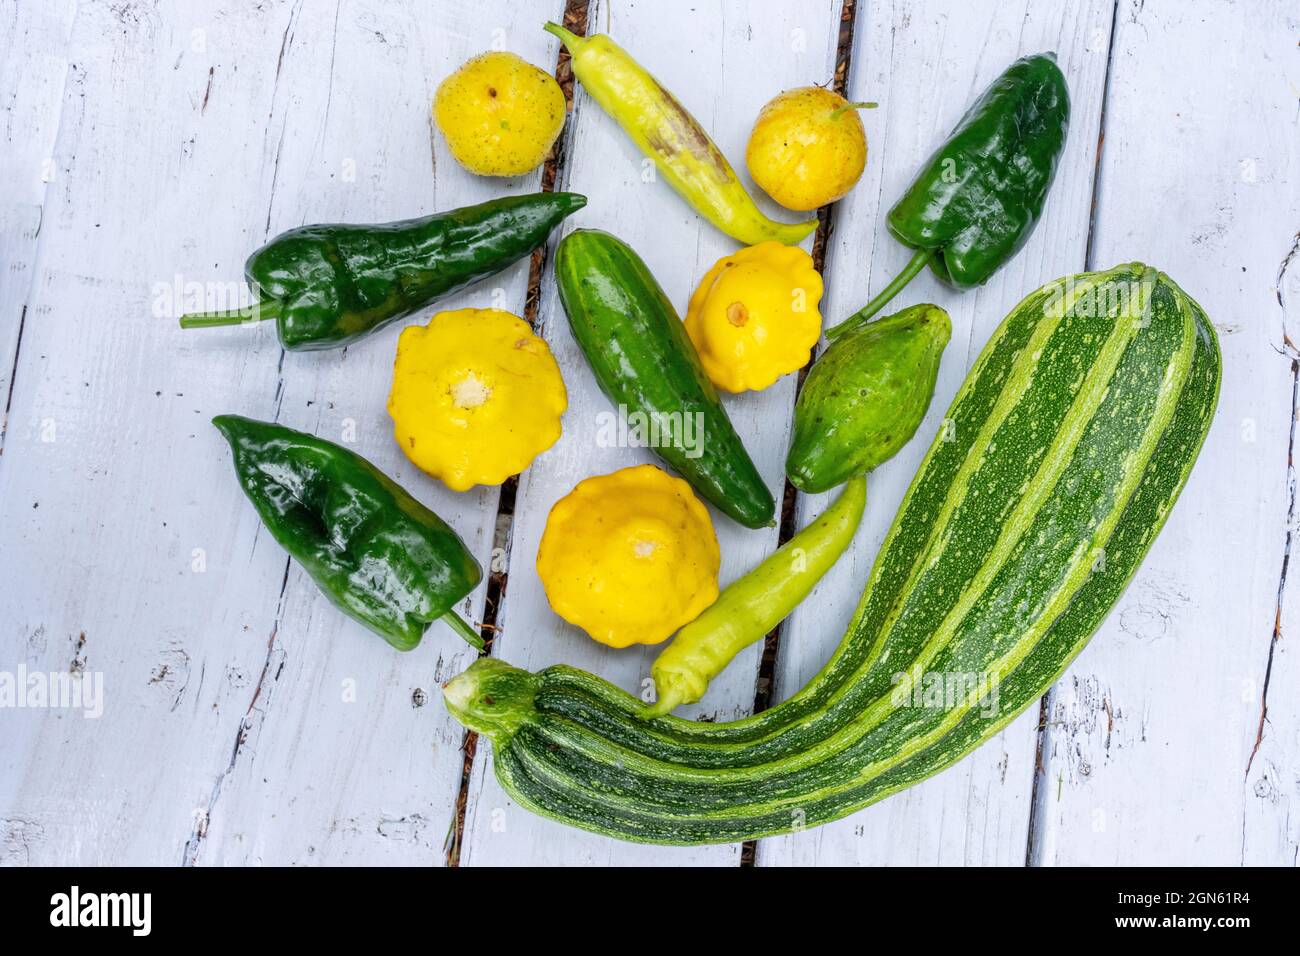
13	372
766	678
575	20
1287	350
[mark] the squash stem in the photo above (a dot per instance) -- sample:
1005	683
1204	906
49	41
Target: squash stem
841	110
462	628
257	312
861	317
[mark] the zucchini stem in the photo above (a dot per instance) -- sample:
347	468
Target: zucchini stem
462	628
257	312
863	315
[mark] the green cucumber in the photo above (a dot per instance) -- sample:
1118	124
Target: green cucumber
865	397
1058	463
646	364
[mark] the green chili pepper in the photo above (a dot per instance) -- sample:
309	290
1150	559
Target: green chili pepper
979	197
664	131
377	553
752	605
329	285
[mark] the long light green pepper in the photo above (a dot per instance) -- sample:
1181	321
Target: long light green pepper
754	604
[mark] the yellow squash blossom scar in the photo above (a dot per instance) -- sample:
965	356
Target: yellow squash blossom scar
754	316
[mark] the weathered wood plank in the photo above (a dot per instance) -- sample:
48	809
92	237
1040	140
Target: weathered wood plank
33	71
924	63
391	799
1150	750
108	496
151	145
723	62
229	723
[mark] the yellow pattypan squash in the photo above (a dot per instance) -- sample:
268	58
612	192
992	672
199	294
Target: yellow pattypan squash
629	557
807	147
754	317
476	396
500	114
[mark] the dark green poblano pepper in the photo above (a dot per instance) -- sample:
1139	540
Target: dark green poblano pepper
865	397
329	285
377	553
976	201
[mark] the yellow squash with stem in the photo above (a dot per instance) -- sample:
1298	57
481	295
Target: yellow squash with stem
662	129
807	147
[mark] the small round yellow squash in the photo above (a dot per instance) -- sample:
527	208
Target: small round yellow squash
629	557
476	396
754	316
807	147
499	114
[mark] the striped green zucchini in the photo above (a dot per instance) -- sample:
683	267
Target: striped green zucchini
1058	463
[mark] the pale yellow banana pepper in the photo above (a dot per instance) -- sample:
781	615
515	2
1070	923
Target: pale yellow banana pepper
662	129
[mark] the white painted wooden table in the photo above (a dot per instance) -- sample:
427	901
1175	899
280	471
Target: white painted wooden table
151	145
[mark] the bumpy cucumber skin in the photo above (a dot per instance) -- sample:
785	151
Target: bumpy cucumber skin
643	360
865	397
1068	445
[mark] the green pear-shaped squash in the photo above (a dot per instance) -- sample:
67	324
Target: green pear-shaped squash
864	398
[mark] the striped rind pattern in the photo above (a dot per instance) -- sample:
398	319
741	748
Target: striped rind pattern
1057	464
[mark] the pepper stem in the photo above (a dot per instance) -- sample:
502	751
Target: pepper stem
569	39
863	315
462	628
257	312
840	110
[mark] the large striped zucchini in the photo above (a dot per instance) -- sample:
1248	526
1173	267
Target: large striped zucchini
1058	463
